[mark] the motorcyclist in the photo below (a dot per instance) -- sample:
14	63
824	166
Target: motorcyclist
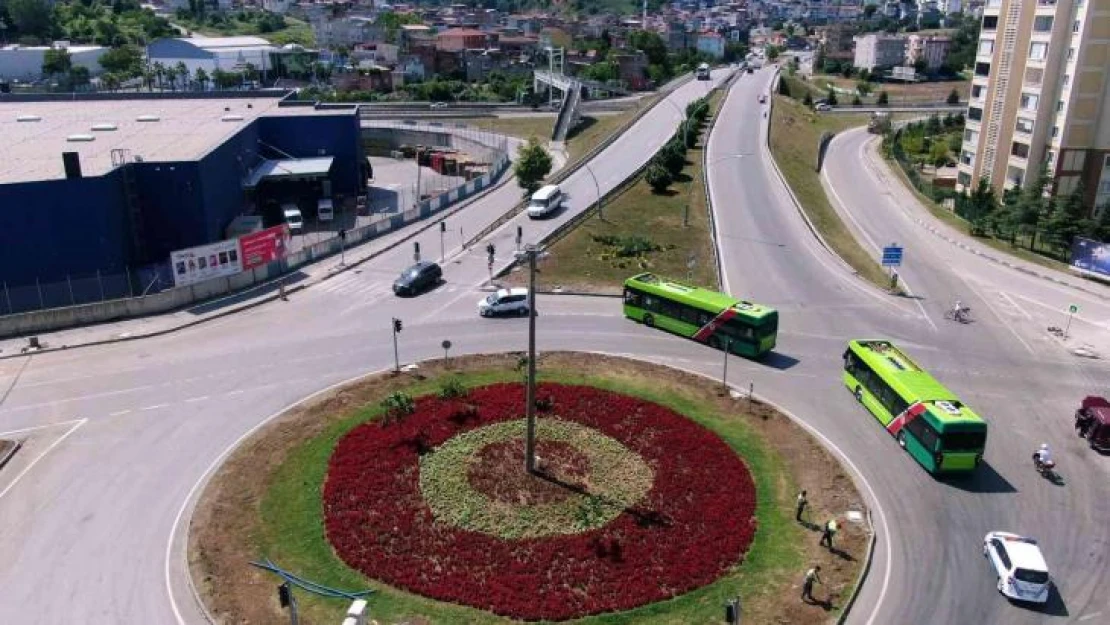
1043	456
958	311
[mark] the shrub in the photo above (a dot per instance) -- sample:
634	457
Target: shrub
397	405
452	388
658	177
808	100
884	99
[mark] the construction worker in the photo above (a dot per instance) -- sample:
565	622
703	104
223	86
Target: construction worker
807	585
802	503
828	534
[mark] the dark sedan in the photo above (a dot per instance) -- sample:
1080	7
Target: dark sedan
417	278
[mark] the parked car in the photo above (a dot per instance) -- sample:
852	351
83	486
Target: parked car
292	216
325	209
822	107
417	278
1019	565
438	105
1092	422
504	302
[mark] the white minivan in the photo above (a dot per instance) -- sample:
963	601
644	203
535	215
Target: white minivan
292	216
545	201
325	209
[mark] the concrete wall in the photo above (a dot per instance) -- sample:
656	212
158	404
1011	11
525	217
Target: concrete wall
26	63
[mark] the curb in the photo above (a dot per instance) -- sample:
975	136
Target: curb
862	573
766	145
727	89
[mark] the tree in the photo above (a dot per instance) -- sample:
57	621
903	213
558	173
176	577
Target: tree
673	157
932	126
938	154
883	99
1101	227
126	60
953	97
159	72
808	99
856	101
201	77
869	11
533	163
651	44
830	97
56	61
863	87
1068	218
1032	205
78	76
919	66
658	177
31	17
772	52
981	205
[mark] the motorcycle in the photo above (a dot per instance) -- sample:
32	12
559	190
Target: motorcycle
1046	469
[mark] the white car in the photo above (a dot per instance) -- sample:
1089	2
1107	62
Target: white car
438	105
504	302
823	107
1019	565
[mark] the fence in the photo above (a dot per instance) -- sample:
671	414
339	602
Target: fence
80	300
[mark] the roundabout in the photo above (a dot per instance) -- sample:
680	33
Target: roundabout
653	499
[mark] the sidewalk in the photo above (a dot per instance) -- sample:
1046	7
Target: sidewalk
303	278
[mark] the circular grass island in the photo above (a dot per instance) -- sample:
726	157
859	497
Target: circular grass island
652	500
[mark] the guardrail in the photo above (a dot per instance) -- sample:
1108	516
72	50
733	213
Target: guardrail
572	168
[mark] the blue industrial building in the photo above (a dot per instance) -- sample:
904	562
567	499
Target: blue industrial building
119	220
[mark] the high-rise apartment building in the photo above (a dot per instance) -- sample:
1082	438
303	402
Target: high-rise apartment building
1040	97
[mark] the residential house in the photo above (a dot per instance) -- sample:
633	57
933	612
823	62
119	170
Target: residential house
459	39
836	42
879	50
931	49
25	62
632	68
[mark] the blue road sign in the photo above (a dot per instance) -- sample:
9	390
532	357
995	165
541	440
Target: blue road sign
892	256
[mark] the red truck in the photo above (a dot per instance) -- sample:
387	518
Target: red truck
1092	422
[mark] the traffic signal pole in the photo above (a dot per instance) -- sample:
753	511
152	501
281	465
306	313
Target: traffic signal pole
396	354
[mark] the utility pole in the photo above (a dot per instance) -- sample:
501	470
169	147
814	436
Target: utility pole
531	251
419	149
442	231
724	373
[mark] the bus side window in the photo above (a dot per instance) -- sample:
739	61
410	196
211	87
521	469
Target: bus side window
689	315
632	298
704	318
650	303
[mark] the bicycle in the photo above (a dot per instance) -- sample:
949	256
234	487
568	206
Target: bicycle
962	315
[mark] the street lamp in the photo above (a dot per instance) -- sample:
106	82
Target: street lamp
597	187
531	252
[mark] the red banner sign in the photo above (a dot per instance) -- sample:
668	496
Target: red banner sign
264	246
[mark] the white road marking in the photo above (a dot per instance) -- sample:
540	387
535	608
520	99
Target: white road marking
50	448
241	391
1092	615
154	407
196	399
119	412
207	474
73	399
994	311
40	427
1018	308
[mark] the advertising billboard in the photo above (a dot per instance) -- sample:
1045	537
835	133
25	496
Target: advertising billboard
197	264
1091	257
264	246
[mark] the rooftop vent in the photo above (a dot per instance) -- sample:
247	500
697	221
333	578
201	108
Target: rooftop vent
232	118
28	118
148	118
80	137
104	127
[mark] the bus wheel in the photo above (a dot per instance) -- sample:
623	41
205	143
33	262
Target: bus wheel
902	439
859	394
649	321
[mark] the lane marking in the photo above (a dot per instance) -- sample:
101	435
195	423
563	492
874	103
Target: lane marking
990	306
50	448
40	427
1018	308
196	399
80	398
154	407
1092	615
119	412
206	475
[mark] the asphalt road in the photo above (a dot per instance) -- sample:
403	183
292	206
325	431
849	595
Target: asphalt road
1023	381
120	437
127	432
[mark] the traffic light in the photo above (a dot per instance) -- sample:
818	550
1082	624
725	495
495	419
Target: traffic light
343	233
443	226
396	324
284	595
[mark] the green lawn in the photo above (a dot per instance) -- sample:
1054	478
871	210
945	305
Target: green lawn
579	261
292	531
795	133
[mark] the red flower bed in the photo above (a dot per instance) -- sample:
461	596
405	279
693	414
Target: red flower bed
695	522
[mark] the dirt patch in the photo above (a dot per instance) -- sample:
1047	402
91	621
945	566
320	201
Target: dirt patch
494	472
225	529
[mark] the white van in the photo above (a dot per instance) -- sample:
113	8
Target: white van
292	216
545	201
325	210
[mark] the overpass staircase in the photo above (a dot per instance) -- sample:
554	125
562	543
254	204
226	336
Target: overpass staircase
568	114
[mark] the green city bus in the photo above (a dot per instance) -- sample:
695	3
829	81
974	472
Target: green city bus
928	421
713	318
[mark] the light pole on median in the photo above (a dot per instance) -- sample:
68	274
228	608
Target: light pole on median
597	187
531	253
